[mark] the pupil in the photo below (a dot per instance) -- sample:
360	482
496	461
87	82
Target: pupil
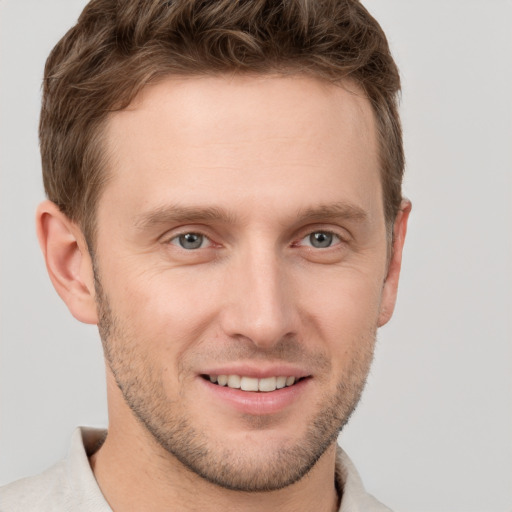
320	239
191	241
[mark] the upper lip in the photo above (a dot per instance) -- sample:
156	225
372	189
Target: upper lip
260	371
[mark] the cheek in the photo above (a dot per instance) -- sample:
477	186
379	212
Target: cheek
343	307
168	310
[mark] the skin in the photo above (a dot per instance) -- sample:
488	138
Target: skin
254	165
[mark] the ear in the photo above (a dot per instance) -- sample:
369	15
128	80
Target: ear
390	287
68	261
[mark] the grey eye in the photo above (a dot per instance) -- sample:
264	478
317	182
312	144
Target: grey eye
190	241
321	239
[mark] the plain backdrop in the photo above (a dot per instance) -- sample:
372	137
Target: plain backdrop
434	429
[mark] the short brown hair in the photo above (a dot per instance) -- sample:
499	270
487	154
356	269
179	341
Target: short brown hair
119	46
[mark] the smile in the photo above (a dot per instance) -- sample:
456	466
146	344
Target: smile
244	383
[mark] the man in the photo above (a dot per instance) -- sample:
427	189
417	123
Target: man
224	184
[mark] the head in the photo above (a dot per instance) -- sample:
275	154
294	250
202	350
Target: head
226	180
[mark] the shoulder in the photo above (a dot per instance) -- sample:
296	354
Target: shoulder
69	485
355	498
44	492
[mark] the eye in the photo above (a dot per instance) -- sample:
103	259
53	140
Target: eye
191	241
321	239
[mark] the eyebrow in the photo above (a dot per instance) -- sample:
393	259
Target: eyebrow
333	211
171	214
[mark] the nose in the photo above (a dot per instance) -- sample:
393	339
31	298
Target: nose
259	300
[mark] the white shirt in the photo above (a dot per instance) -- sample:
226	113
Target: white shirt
70	485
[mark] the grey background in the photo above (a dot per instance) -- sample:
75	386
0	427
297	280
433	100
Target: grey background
434	429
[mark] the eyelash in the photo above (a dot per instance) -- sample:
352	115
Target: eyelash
336	239
330	234
177	238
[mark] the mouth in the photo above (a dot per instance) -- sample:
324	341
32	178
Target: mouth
253	384
256	391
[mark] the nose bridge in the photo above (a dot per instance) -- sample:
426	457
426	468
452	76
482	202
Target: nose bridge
260	306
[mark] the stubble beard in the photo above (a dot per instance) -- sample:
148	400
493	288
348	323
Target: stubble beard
144	393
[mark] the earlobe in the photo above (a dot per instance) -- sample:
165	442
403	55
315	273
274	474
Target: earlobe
390	287
67	260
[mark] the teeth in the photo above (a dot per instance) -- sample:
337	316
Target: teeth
268	384
290	381
234	381
251	383
280	382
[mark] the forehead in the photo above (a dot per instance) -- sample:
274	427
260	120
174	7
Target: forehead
243	139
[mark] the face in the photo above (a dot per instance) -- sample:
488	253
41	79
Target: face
241	262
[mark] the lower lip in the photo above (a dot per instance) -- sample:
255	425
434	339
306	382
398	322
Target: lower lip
257	403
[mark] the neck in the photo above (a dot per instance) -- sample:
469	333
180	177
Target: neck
140	475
